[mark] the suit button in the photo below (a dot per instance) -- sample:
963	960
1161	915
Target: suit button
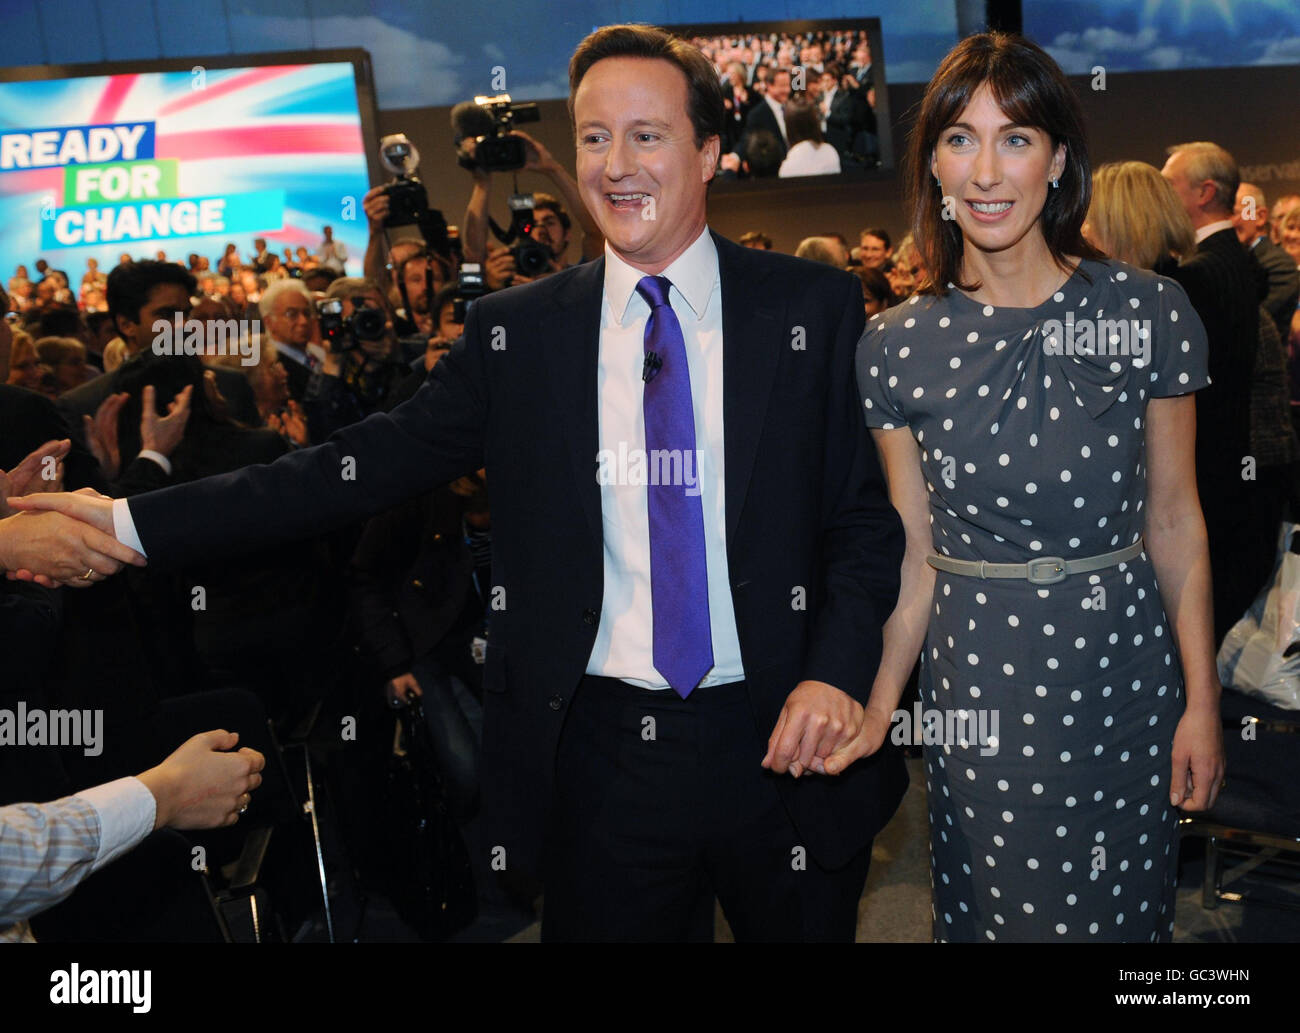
557	702
437	537
417	583
588	616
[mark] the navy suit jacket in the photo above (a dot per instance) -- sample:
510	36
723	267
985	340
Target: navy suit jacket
813	545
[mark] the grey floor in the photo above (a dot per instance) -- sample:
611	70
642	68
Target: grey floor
895	906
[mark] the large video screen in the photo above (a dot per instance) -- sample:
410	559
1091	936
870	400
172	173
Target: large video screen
181	161
803	98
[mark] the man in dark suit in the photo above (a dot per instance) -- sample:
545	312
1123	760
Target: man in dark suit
1281	281
139	295
848	121
693	550
768	115
1221	282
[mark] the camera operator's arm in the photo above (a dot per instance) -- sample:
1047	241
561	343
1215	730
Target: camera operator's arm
541	160
474	231
374	266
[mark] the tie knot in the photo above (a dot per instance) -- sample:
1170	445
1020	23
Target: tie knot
654	289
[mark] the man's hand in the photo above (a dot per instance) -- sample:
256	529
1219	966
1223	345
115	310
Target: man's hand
375	205
870	737
291	424
201	786
30	476
53	547
398	689
1197	759
536	157
437	347
817	719
499	269
163	433
101	434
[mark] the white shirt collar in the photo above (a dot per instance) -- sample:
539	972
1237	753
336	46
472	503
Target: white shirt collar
693	273
1213	227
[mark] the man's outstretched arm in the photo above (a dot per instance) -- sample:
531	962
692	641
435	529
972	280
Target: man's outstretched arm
363	469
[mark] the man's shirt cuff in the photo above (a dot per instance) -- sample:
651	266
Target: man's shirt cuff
124	527
127	812
157	457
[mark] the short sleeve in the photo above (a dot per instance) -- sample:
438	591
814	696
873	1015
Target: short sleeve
879	405
1180	352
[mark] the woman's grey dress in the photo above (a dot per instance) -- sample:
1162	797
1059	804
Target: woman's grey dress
1059	826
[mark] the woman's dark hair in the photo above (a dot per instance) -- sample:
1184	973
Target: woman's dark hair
1032	91
204	443
703	90
802	121
875	283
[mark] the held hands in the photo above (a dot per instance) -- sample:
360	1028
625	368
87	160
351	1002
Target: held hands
821	729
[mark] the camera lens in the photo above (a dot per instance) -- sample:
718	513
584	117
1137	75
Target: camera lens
368	324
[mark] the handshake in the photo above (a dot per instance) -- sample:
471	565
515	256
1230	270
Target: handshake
58	538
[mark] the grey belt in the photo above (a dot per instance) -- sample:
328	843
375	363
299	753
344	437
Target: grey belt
1044	570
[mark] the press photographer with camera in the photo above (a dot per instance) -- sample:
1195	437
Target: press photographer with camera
362	365
537	239
403	226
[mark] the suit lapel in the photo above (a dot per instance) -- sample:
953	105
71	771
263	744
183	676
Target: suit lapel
573	340
752	338
752	341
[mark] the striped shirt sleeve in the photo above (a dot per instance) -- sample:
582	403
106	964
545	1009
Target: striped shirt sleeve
47	849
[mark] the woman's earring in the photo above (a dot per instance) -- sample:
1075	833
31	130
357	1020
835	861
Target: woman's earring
1055	184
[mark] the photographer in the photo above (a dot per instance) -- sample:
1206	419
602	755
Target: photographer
551	220
362	365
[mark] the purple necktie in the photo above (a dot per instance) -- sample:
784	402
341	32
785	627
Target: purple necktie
679	582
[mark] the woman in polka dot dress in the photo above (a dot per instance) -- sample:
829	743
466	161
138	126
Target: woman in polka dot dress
1007	437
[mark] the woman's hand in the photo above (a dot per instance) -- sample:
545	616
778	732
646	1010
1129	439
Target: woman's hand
1198	759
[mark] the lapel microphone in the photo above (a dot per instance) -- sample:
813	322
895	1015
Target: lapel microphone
653	364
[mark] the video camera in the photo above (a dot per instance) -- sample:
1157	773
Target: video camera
488	121
409	215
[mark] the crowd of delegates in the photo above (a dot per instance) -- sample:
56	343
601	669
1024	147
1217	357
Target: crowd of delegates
797	104
368	616
350	623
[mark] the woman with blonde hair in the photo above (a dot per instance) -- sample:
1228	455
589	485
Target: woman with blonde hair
66	356
25	369
1136	217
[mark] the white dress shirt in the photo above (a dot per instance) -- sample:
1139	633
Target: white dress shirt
810	159
47	849
1213	227
779	112
625	638
624	645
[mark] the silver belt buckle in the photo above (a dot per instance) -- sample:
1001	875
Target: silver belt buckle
1052	570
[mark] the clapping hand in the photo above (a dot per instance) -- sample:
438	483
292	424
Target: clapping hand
101	434
41	471
290	424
